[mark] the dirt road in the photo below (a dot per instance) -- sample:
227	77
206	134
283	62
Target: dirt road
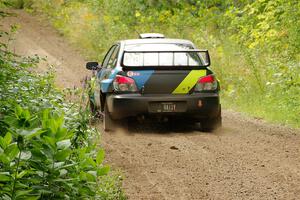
247	159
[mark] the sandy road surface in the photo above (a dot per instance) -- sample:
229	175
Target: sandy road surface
247	159
35	37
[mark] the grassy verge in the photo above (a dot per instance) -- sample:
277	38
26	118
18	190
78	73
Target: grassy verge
254	44
47	148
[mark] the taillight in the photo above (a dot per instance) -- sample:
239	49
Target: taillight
206	83
124	84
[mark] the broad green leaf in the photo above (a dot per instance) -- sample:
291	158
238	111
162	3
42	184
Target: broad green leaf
64	180
100	156
21	185
41	173
25	155
31	133
26	114
82	153
45	115
22	194
5	196
62	154
4	177
4	158
69	134
58	164
87	177
103	170
62	133
87	163
2	143
50	141
63	172
47	152
8	138
90	176
67	166
52	124
86	190
37	165
82	176
18	110
12	151
22	173
43	191
38	154
60	121
29	197
63	144
94	173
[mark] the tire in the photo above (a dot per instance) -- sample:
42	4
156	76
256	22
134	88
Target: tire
211	124
108	123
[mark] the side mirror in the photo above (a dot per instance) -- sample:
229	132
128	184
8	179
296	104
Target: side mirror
92	65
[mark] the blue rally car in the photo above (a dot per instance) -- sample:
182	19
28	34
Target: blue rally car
156	77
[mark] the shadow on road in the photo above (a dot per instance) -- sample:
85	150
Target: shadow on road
154	127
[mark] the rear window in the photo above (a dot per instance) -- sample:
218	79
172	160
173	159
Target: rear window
146	55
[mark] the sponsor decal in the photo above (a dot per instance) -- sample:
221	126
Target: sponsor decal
132	73
189	81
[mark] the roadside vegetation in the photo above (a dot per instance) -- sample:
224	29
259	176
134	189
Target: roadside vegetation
254	45
47	148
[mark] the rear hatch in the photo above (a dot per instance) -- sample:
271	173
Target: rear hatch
165	68
166	81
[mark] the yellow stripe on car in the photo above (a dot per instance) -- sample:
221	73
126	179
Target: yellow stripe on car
189	81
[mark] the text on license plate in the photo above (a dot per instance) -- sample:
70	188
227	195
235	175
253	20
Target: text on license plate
168	107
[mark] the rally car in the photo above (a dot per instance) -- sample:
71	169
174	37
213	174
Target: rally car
156	77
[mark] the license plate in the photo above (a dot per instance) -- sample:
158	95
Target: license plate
165	107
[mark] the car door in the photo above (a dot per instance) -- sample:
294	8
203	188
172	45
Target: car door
103	76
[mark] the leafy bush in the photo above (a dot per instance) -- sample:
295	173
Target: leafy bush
46	145
254	44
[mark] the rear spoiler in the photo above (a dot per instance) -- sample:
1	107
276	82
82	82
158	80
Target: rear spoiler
205	52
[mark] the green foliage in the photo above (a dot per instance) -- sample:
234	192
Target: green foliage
39	161
254	44
46	145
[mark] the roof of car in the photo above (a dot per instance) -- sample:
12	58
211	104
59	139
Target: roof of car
156	41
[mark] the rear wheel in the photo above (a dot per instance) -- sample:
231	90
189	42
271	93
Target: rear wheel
211	124
108	123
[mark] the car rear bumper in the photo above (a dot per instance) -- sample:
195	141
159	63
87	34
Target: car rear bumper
197	106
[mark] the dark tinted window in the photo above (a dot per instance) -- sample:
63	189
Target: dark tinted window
113	58
107	56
